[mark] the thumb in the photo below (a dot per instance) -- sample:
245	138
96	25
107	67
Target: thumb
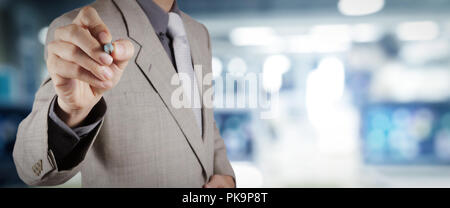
122	53
211	184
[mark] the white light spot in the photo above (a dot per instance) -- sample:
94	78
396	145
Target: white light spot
274	68
237	66
423	30
360	7
216	67
42	35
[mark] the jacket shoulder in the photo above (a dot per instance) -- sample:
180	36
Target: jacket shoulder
193	22
198	27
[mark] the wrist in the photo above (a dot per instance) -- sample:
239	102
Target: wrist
231	181
72	117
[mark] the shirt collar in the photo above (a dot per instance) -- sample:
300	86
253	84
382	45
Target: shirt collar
157	16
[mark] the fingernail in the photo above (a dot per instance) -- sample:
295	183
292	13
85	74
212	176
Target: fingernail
118	49
107	73
103	36
106	58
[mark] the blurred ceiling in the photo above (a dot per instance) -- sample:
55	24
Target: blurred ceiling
234	6
221	15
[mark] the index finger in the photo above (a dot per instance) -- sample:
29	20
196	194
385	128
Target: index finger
89	18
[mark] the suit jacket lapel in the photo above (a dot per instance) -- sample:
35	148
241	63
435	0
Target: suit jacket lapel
199	58
202	57
158	69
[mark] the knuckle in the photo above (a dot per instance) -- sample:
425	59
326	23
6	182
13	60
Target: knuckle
72	50
77	71
87	10
73	30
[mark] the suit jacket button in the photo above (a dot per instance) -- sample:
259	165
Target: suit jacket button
37	168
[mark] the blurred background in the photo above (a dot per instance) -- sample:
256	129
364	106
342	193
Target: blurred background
364	87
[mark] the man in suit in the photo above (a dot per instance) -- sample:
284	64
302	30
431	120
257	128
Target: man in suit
111	116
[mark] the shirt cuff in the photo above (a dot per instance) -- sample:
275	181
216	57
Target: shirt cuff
61	138
93	119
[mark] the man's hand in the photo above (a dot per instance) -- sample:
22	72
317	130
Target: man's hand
81	71
220	181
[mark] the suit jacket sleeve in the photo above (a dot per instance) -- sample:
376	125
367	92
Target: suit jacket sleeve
63	140
35	162
222	165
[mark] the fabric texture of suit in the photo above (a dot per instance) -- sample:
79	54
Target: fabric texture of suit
143	140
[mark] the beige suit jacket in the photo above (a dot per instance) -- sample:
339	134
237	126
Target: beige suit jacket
143	140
